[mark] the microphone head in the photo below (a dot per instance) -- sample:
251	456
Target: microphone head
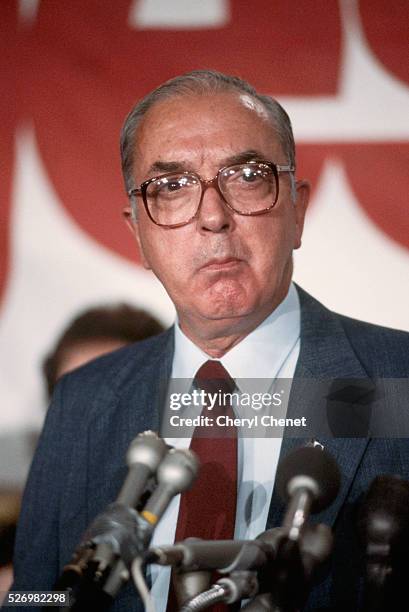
384	512
146	449
178	469
311	468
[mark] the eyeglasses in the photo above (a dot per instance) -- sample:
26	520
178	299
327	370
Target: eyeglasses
173	199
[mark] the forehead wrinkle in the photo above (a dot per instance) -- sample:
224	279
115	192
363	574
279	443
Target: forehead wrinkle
167	166
183	165
244	156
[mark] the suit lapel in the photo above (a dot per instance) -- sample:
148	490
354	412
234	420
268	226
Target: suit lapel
318	392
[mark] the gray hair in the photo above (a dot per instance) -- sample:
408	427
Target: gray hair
200	82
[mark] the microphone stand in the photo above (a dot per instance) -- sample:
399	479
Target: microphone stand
284	583
101	565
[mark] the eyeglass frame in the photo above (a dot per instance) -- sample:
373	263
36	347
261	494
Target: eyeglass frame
204	184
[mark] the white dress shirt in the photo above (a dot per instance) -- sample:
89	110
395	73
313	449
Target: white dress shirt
269	352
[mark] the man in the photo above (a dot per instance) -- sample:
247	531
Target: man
217	211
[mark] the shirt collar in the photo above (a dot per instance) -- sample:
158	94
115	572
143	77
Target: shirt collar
261	354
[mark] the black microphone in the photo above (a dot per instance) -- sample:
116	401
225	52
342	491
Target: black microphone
196	554
383	525
224	555
308	479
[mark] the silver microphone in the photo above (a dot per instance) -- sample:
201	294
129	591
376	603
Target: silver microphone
175	474
143	457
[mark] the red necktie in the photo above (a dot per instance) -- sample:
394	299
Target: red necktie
208	509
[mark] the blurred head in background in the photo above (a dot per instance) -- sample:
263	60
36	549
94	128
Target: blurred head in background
93	333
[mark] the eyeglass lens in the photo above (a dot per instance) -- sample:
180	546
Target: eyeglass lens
247	188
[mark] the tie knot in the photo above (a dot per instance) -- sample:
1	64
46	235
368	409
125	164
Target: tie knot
212	377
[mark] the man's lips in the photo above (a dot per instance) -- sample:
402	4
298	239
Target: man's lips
221	263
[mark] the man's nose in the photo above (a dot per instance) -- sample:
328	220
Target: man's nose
214	214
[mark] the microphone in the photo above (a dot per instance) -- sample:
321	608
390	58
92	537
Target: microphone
97	571
175	474
383	525
143	457
308	479
224	555
196	554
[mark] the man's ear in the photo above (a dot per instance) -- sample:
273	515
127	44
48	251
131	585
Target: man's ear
302	196
133	225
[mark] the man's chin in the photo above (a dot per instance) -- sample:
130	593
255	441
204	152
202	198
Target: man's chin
225	312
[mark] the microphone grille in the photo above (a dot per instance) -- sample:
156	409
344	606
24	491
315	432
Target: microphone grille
178	469
312	468
146	449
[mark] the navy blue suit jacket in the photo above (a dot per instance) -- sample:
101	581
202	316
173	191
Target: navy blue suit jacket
80	461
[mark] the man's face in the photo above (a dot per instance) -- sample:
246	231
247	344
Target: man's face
222	271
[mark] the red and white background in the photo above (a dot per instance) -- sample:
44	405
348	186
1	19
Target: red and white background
69	73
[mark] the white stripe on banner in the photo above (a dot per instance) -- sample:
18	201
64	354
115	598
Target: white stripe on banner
178	14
